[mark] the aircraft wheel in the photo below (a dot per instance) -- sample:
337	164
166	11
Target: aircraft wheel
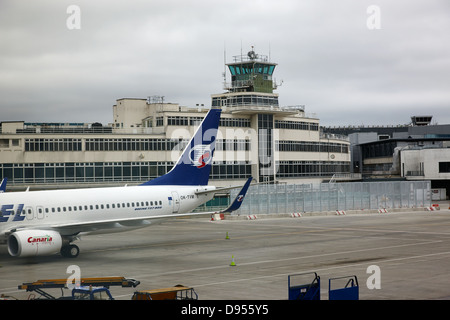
70	251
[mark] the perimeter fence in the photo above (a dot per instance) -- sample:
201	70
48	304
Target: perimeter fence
291	198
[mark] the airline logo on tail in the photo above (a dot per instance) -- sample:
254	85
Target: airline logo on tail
194	165
200	155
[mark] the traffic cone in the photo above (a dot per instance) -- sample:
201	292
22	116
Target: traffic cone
233	264
227	237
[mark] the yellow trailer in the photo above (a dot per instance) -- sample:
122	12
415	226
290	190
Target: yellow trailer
178	292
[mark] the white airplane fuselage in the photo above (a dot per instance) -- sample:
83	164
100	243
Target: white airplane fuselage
85	208
36	223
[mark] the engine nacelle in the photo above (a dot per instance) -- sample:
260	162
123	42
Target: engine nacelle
26	243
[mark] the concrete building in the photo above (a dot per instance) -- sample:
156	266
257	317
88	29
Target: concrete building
257	137
417	151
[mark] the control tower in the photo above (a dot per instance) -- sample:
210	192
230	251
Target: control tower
250	94
251	73
251	84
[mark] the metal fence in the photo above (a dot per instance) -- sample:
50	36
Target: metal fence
291	198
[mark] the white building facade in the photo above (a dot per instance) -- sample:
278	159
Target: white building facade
257	137
426	163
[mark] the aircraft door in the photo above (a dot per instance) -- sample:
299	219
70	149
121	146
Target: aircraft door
175	201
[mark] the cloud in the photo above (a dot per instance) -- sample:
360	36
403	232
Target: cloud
327	57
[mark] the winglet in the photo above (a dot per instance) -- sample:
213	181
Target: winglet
239	198
194	165
3	185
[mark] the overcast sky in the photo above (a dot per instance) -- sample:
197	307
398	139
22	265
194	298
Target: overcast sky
343	71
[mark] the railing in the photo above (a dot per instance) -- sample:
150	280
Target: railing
99	130
415	174
345	176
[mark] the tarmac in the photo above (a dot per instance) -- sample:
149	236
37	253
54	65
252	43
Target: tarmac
396	255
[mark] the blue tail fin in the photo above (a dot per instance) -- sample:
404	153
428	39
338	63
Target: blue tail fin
3	185
194	165
239	198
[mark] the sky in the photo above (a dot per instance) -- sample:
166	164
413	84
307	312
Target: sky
349	62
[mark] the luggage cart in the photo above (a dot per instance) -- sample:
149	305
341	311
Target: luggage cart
348	292
84	286
308	291
179	292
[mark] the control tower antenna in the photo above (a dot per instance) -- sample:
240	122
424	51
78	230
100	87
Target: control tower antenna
224	75
269	51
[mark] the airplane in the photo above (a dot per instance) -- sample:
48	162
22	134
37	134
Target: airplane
3	185
47	222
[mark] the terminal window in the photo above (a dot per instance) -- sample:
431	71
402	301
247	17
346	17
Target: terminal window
444	167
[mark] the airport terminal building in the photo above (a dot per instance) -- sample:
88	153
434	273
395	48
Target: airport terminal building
257	137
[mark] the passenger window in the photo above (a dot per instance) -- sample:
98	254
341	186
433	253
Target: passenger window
92	207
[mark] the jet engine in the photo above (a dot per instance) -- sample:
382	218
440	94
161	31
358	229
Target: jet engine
26	243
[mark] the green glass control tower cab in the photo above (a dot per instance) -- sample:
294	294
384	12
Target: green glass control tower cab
251	84
251	73
251	95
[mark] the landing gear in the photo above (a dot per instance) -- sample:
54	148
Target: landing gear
70	251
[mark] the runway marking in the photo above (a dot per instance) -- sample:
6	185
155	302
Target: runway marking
296	258
317	229
202	241
371	229
302	271
265	235
320	269
345	252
